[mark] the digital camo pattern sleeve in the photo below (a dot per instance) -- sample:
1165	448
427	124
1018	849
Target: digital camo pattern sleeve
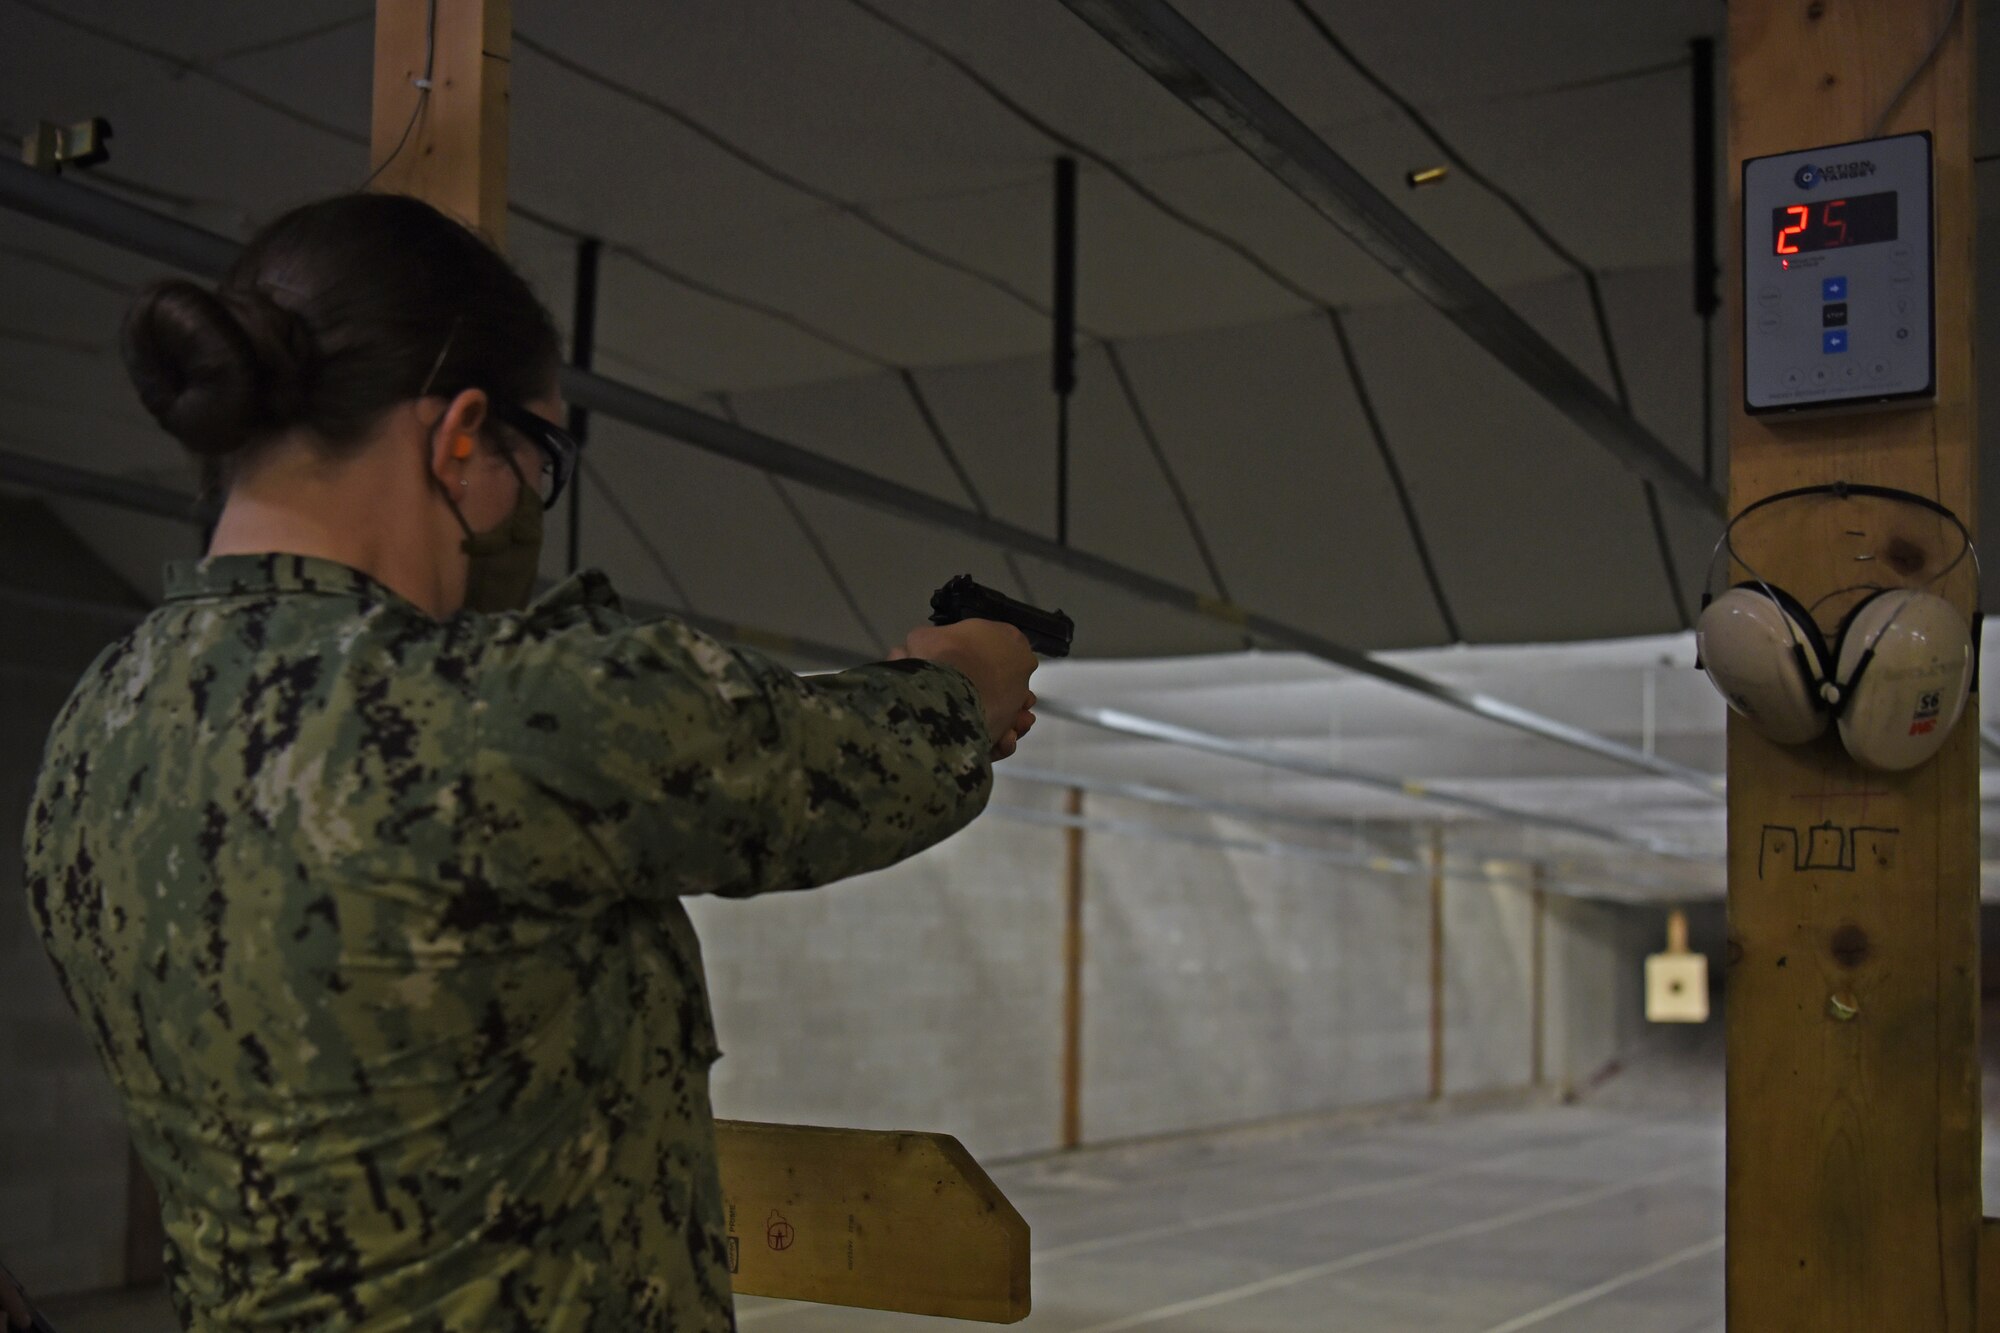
690	767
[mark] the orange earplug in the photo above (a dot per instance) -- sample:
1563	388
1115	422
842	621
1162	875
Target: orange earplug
462	449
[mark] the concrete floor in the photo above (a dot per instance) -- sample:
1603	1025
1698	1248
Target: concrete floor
1557	1220
1552	1219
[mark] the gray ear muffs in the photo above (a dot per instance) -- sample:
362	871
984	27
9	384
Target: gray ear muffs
1762	651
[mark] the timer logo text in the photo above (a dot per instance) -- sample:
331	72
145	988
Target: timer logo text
1810	175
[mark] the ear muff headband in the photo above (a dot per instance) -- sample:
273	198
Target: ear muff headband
1844	490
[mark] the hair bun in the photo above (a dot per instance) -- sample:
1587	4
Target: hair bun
194	367
282	346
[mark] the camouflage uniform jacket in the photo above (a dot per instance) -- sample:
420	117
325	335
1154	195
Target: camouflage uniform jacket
375	922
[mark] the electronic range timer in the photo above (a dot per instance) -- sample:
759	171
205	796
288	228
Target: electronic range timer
1837	277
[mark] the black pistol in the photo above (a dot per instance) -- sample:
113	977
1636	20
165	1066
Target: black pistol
1049	632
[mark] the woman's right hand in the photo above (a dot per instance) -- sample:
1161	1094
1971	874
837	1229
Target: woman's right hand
996	658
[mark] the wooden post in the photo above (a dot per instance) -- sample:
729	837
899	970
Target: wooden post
1989	1276
1437	962
1853	1120
1537	979
446	144
1072	1047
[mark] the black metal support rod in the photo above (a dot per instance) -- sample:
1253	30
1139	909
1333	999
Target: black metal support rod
1706	295
582	349
1707	292
1064	369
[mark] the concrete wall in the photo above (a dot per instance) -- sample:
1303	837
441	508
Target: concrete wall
1224	986
1489	985
1596	1007
927	996
1220	986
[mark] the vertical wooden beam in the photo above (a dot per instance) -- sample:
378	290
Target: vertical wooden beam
1853	1120
1437	962
1537	980
446	144
1989	1276
1072	1046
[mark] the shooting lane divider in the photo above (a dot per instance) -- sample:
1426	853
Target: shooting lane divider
879	1219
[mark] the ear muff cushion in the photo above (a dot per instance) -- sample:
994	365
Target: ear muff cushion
1766	660
1902	704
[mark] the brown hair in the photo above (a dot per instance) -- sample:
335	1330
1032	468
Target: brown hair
330	316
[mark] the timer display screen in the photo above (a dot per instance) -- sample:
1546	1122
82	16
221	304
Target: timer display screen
1828	224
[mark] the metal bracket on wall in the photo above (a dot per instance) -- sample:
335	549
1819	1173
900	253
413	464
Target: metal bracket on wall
50	147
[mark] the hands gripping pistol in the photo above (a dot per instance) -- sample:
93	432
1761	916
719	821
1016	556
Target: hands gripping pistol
1048	632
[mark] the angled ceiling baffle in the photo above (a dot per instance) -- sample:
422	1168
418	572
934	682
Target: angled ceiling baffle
169	240
1190	66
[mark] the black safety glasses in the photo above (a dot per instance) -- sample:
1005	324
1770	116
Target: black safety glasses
557	446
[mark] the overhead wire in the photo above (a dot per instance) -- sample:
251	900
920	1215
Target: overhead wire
818	544
702	287
183	65
1592	286
1105	162
65	266
1929	58
423	86
1167	472
952	460
846	207
638	533
1366	400
283	40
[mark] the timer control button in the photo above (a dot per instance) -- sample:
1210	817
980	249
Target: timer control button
1821	377
1768	296
1903	334
1833	289
1794	378
1901	305
1850	373
1767	324
1833	341
1901	252
1878	369
1833	315
1901	275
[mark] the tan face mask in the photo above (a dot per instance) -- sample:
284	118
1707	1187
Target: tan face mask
505	559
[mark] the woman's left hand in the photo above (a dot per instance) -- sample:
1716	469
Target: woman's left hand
1005	746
